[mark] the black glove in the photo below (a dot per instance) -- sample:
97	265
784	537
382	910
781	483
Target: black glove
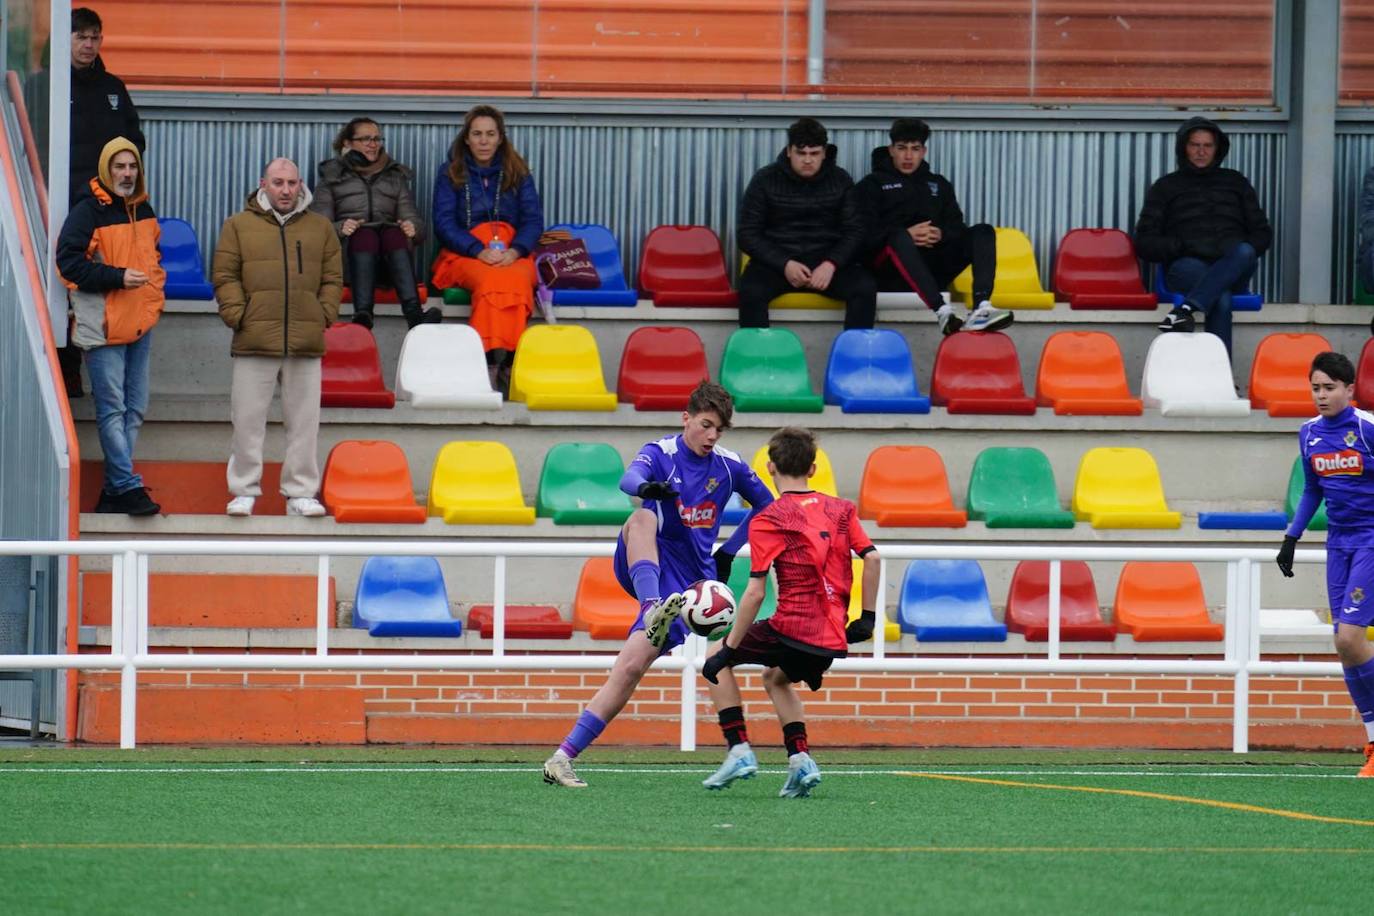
655	489
1285	557
860	629
723	563
714	664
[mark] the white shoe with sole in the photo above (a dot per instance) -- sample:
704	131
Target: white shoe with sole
740	763
558	771
987	318
305	505
802	776
240	506
658	620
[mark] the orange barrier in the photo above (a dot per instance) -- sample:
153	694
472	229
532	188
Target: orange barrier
601	606
906	485
236	600
30	145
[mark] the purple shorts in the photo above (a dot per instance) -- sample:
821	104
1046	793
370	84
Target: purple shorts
672	577
1350	585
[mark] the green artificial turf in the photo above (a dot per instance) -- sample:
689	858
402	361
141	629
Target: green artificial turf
418	830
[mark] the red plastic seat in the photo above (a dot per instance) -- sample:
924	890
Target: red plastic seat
351	374
1364	376
1279	373
979	373
907	485
1082	372
660	366
1028	603
684	266
387	295
369	481
1164	602
1098	269
523	621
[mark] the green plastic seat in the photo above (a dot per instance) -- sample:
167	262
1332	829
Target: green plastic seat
739	580
1362	295
456	295
580	485
1014	488
764	369
1290	505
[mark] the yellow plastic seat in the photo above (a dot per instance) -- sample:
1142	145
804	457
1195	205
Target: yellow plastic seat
1120	488
476	483
796	300
558	367
1017	285
891	631
822	482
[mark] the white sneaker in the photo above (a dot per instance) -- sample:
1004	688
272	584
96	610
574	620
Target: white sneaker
240	506
658	620
987	318
305	505
740	763
558	771
802	776
950	320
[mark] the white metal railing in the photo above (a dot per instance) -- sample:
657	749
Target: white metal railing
129	619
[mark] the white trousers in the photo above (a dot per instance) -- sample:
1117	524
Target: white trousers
250	395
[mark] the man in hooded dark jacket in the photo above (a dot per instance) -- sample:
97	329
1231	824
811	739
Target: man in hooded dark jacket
101	107
1204	226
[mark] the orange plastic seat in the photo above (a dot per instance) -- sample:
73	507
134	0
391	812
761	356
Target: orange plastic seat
906	485
601	606
369	481
1279	373
1082	372
1163	602
1028	603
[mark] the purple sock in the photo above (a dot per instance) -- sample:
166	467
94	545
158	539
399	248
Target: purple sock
1360	682
588	728
644	576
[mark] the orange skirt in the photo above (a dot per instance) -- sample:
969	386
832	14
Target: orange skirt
502	297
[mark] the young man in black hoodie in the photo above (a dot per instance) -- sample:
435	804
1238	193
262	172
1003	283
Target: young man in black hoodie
1203	225
916	239
101	107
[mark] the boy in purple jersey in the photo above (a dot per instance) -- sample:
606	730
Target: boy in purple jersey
1337	449
685	482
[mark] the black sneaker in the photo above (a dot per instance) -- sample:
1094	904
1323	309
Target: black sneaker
108	503
431	315
1180	319
363	318
135	502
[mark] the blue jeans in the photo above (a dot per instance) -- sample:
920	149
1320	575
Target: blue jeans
119	385
1208	287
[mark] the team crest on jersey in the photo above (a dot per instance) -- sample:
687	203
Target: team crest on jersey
1351	438
934	188
698	516
711	484
113	99
1356	594
1348	463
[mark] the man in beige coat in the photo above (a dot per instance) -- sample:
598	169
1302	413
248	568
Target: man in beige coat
278	277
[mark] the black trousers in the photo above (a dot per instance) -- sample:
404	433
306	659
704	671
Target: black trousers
759	285
903	266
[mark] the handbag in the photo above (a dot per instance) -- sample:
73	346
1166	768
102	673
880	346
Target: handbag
566	265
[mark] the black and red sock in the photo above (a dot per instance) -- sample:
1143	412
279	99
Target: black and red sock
794	737
732	726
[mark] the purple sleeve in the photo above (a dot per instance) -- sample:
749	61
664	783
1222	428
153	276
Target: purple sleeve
1311	496
758	496
642	469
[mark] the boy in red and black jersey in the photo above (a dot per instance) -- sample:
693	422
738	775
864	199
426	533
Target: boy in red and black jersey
807	538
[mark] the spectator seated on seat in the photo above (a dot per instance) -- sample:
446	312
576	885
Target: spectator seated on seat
367	196
488	217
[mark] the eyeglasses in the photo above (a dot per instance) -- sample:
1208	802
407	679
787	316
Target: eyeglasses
376	138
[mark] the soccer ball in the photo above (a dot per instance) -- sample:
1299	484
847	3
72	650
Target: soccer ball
710	608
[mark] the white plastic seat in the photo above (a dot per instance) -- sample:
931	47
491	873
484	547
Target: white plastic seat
443	365
1292	622
1189	375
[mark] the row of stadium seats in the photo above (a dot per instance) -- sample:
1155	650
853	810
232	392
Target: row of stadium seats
940	601
558	367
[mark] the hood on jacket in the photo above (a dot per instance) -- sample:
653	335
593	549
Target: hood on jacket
881	161
831	153
1181	143
259	202
105	179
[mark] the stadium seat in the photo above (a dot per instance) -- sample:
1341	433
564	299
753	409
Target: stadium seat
1098	269
1017	285
580	485
1364	376
456	295
369	481
1243	521
476	483
386	295
182	261
601	606
1082	373
605	254
891	632
1247	301
659	368
684	265
523	621
947	601
764	369
403	596
443	366
1189	375
1163	602
558	367
1120	488
906	486
797	300
739	581
979	373
823	481
1015	488
871	372
351	371
1279	374
1296	482
1028	603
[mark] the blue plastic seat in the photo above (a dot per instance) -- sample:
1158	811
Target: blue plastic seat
947	601
181	259
1244	521
605	254
870	371
1240	302
403	596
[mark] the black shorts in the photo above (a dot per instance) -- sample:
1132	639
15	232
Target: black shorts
762	645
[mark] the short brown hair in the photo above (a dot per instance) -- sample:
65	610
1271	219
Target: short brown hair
709	396
792	450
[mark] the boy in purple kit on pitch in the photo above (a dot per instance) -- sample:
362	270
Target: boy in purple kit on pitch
1337	449
685	482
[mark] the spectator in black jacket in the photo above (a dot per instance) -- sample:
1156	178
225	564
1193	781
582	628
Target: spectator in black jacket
916	239
1203	225
800	227
101	107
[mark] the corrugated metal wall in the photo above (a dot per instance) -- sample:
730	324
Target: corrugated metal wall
1354	155
634	177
